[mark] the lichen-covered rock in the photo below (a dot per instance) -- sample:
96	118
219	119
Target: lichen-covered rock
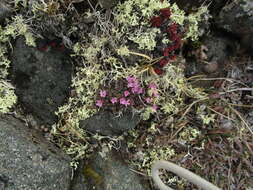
42	77
110	173
219	48
5	11
216	50
237	18
213	5
28	161
78	182
107	4
107	123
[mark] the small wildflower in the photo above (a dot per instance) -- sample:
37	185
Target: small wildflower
126	93
154	108
102	93
152	85
99	103
114	100
137	90
131	79
154	93
133	84
140	91
124	101
148	100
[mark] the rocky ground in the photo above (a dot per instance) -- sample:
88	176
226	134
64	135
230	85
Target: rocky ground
113	149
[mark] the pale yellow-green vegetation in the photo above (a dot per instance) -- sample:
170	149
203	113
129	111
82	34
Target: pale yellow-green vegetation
7	96
14	28
126	14
145	159
17	27
103	59
79	107
106	47
204	114
191	21
173	88
189	134
146	40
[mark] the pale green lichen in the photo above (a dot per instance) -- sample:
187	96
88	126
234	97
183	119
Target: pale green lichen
80	107
178	15
14	28
106	59
7	96
146	159
173	87
147	112
90	51
193	20
4	61
189	134
203	114
127	15
146	40
123	51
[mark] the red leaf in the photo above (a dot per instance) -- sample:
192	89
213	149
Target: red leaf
156	21
165	12
158	71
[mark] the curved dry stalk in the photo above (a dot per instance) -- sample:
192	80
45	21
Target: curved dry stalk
182	172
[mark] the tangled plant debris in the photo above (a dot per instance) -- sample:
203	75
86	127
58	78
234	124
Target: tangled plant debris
131	57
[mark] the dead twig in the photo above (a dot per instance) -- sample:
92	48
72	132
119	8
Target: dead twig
242	119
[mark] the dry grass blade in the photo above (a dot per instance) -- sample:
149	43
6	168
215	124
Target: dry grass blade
242	119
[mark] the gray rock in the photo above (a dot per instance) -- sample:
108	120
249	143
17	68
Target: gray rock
28	161
42	77
107	123
110	173
217	51
213	5
219	48
5	11
78	182
107	4
237	18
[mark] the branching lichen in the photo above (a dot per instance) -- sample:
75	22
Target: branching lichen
7	96
14	28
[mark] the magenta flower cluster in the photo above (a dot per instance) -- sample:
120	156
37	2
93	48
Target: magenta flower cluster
133	90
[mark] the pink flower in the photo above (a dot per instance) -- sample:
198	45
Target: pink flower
102	93
140	91
132	82
152	86
148	100
131	79
154	107
126	93
137	90
114	100
154	93
124	101
99	103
